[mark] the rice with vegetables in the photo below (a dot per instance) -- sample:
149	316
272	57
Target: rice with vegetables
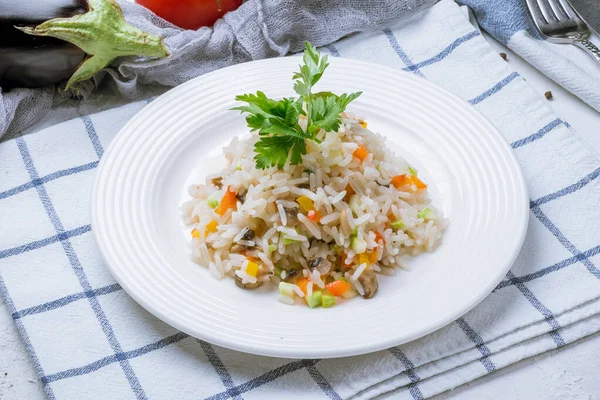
320	218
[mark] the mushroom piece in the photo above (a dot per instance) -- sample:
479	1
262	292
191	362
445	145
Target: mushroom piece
237	248
249	235
291	214
291	274
320	264
247	286
368	280
217	182
241	195
245	241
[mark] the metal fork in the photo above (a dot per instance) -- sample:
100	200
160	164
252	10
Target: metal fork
557	20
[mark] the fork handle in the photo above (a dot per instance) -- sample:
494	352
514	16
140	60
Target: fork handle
589	47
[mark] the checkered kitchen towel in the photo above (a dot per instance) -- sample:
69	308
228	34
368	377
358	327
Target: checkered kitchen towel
89	340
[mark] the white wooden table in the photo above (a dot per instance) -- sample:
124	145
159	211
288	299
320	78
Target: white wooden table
570	373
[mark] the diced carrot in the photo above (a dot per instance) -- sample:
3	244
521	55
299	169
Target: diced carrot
361	153
210	227
417	182
399	180
363	123
349	190
228	201
378	237
314	216
302	284
195	233
338	288
306	203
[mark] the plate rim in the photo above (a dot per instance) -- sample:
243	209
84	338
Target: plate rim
294	353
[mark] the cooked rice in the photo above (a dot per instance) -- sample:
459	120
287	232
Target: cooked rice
284	237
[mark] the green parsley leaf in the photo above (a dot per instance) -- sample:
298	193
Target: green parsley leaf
326	111
311	71
282	139
270	116
275	150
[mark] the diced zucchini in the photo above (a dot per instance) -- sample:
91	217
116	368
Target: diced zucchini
327	300
287	240
272	248
397	225
412	171
286	289
334	154
314	300
213	200
277	272
359	245
425	213
238	167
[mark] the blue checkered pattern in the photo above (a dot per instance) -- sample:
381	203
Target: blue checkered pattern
88	339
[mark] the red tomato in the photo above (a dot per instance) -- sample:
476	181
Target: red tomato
190	14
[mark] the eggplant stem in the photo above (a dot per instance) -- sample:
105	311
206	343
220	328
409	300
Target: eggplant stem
103	34
88	68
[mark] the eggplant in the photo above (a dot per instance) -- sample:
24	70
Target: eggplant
47	42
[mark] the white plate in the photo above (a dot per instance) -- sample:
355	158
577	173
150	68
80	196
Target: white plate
473	175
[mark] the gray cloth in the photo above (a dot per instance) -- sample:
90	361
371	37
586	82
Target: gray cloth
258	29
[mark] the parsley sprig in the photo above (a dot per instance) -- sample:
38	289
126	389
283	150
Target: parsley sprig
281	136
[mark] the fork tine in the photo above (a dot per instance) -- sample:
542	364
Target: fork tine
558	9
534	9
546	10
568	9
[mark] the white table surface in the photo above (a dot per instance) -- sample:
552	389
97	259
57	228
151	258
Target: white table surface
570	373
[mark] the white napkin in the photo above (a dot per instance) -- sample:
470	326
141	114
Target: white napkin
509	22
89	340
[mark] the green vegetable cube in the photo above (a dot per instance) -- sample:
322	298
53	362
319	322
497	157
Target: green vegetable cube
277	272
314	300
397	225
287	240
425	213
286	289
327	300
212	201
359	245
